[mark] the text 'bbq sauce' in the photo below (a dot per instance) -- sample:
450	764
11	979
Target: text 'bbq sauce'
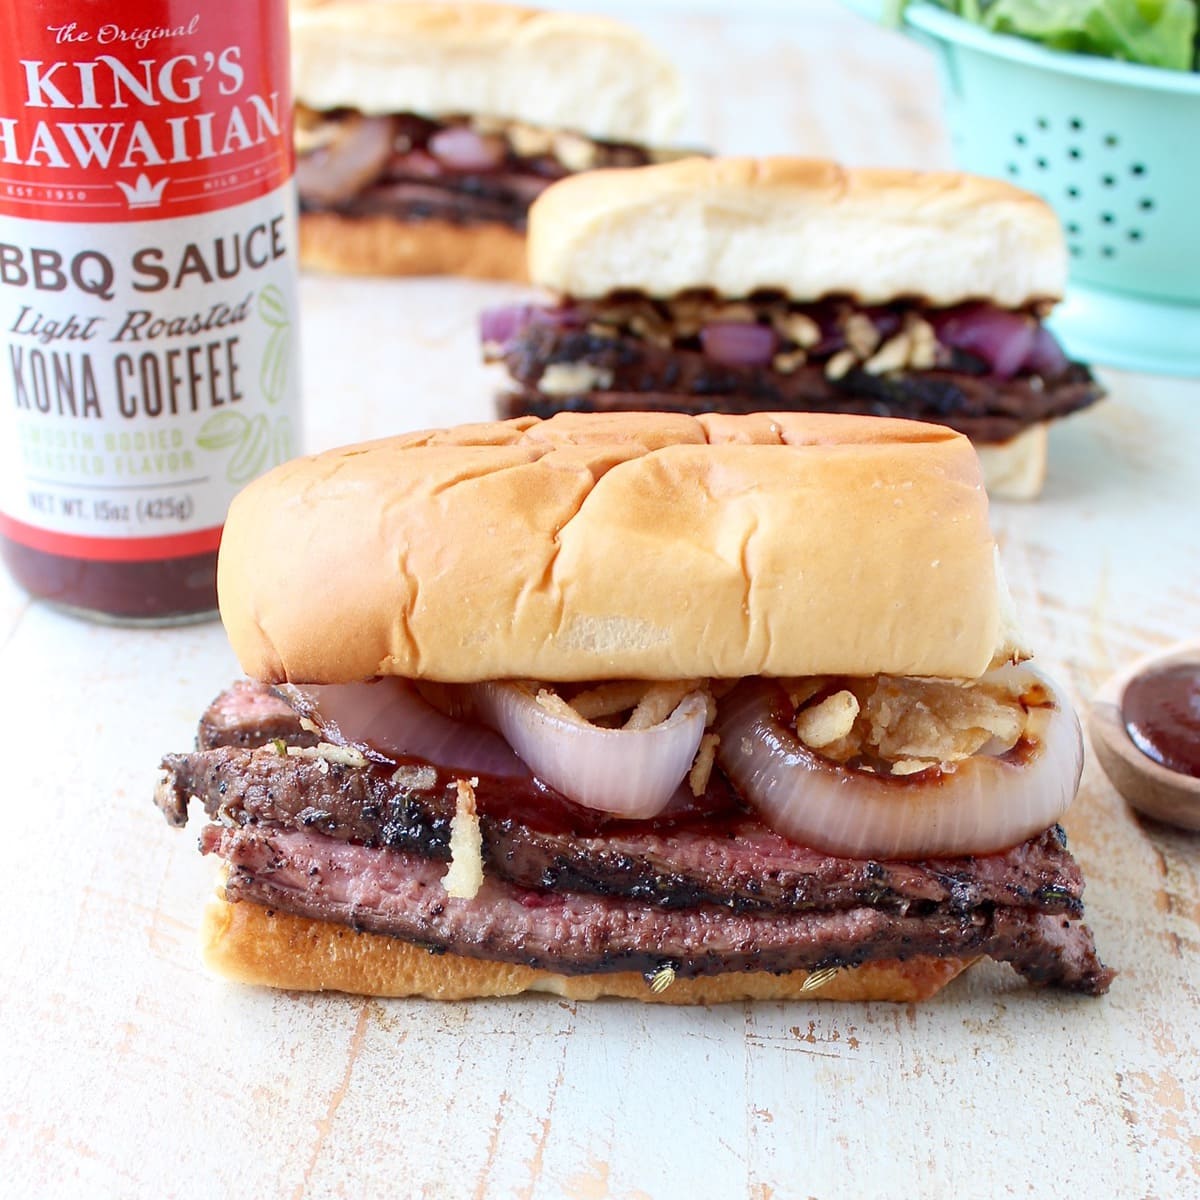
1161	711
147	292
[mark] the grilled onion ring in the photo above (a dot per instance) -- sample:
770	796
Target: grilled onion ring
389	721
979	805
335	173
630	773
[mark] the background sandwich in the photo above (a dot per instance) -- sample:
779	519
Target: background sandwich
740	285
629	705
425	130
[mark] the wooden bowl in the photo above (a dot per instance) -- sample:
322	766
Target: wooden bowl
1148	786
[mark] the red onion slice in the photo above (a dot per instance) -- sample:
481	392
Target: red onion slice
462	149
388	720
1002	338
739	343
357	155
980	805
505	322
415	164
1046	357
631	773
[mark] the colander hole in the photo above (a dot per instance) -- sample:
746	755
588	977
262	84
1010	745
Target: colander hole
1013	169
1019	138
1073	192
1072	227
1135	235
1075	153
1107	218
1137	169
1108	180
1075	123
1111	139
1146	205
1075	250
1041	163
1043	123
1108	251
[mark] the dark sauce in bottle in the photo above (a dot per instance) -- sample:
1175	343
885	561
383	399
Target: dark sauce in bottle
163	592
1161	712
148	343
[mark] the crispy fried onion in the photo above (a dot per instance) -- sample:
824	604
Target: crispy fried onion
896	768
631	770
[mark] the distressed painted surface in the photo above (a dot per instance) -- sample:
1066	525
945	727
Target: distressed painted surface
126	1071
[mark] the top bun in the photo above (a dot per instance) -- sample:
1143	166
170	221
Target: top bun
610	546
804	227
556	70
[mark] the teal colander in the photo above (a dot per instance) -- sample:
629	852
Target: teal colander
1114	148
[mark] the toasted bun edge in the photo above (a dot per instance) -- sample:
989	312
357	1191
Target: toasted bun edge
1016	469
249	944
383	245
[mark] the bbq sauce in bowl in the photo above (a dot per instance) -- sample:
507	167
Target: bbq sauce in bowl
1161	712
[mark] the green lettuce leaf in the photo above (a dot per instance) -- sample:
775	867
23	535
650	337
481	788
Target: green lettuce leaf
1157	33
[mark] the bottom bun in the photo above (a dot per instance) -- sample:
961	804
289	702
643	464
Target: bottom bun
382	245
1016	469
251	944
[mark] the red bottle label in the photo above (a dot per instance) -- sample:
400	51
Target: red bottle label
141	110
147	270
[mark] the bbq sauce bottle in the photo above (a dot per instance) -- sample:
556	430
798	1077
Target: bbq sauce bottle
147	292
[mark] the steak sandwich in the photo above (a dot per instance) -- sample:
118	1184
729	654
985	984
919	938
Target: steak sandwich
683	709
740	285
425	130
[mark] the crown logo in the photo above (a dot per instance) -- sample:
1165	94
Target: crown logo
143	193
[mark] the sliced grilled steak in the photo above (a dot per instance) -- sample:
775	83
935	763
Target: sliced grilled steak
642	375
382	165
714	892
250	714
726	858
390	892
447	199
